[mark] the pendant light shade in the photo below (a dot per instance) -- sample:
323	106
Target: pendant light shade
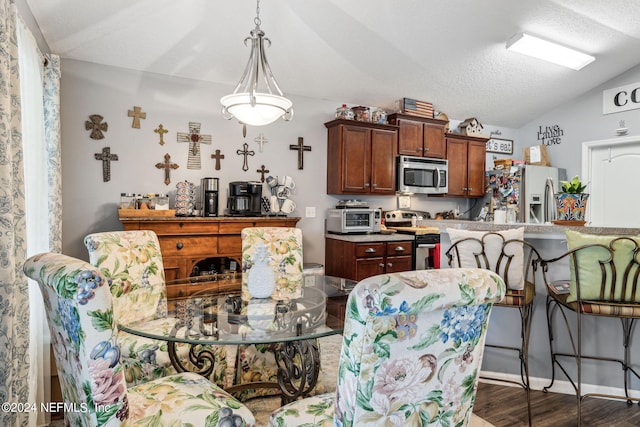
257	99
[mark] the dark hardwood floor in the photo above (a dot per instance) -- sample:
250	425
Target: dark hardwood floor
505	406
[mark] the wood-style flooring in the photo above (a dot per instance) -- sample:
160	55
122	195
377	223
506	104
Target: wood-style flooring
505	406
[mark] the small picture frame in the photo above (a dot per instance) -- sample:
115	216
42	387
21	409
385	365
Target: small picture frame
499	145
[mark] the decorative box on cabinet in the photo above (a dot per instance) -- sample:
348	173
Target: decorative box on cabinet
420	136
359	260
361	157
466	155
185	241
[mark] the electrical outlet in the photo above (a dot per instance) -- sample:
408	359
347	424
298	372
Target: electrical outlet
310	212
404	202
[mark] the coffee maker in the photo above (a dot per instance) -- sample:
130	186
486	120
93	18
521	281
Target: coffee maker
209	196
244	198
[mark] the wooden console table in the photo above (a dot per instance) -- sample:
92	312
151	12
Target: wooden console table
185	241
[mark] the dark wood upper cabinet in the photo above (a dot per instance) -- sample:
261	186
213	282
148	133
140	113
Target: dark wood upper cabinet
420	136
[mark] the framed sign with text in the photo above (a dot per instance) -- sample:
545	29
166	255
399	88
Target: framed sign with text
499	145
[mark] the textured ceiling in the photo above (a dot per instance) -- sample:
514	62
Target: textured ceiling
371	52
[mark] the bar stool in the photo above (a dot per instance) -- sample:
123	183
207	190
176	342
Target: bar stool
515	260
605	282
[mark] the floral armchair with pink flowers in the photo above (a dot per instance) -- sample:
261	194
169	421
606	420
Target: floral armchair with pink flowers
411	352
132	263
85	344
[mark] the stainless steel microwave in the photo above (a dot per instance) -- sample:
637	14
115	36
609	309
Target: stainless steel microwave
353	220
422	175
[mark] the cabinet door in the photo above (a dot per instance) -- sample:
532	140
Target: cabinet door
457	156
434	142
410	138
476	155
356	149
367	267
398	263
384	148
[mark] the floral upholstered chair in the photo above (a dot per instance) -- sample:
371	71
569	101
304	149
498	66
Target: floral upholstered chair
411	352
256	363
87	353
132	264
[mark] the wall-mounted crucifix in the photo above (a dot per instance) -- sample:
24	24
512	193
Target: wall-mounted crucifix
137	114
167	166
262	171
261	140
218	155
160	130
106	158
245	152
194	138
301	149
96	126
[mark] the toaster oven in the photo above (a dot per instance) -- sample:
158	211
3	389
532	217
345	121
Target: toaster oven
353	221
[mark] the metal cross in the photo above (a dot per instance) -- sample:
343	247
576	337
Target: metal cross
161	131
137	114
95	126
194	138
245	152
301	149
167	166
261	140
262	171
106	158
217	156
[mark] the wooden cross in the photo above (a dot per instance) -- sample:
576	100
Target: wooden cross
161	131
137	114
194	138
245	152
95	126
261	140
262	171
106	158
167	166
217	156
301	149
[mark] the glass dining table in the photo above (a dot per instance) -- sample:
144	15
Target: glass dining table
212	310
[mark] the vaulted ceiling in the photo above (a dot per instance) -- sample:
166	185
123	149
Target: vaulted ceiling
369	52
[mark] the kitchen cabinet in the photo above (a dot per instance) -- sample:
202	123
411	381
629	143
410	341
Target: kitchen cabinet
466	155
359	260
420	136
361	157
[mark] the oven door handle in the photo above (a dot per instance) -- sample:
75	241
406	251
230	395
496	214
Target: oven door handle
427	245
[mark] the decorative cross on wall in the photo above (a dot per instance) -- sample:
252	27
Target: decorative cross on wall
261	140
160	130
217	156
262	171
96	126
245	152
194	138
106	158
137	114
301	149
167	166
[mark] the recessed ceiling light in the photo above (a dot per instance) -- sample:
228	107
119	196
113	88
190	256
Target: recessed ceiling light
548	51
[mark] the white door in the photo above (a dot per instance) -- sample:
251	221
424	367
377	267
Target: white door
612	170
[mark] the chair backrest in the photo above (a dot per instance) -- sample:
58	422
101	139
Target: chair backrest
413	345
132	262
504	252
284	246
83	334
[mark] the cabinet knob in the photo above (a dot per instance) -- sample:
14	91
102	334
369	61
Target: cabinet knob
389	265
381	265
425	149
179	245
366	184
399	249
370	250
374	185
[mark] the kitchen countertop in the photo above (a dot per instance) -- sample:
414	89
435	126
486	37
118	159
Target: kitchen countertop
375	237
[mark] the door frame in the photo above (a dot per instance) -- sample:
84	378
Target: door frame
587	157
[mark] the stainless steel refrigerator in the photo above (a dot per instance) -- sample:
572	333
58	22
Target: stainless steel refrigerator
527	189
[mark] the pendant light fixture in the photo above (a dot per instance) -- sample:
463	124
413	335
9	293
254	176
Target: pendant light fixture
257	99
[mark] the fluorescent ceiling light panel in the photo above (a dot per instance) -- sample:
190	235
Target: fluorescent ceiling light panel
548	51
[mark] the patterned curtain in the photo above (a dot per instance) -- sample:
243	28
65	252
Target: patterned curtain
53	143
14	298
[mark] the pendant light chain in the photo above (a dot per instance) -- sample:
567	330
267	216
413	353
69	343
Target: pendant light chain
257	20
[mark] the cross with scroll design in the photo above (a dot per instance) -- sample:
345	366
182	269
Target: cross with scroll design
194	138
245	152
301	149
261	140
137	114
167	166
217	156
96	126
160	130
106	158
262	171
